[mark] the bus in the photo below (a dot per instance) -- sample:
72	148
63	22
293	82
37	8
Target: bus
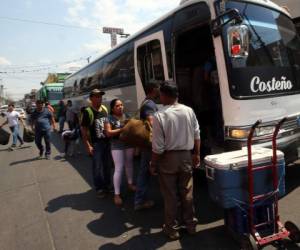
252	50
294	8
51	92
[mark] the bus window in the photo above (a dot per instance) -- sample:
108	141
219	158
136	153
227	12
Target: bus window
81	85
150	64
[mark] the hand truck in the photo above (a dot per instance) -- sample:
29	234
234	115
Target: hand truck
254	239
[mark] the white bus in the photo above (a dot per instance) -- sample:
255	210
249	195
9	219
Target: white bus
249	49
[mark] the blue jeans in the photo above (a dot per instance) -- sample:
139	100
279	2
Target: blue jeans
61	122
101	165
143	178
39	135
15	134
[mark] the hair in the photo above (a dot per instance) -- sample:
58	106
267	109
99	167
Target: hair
39	102
113	104
150	86
169	89
69	101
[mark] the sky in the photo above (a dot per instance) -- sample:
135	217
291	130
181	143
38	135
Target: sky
30	47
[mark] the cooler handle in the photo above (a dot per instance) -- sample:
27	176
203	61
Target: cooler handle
210	173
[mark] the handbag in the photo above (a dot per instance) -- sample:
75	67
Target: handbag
28	135
4	136
137	133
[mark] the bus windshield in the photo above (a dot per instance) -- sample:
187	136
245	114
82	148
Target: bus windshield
273	63
55	95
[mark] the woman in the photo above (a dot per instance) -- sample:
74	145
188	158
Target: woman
122	153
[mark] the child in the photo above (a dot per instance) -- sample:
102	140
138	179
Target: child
70	138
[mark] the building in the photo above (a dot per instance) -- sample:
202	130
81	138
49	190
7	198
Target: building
56	78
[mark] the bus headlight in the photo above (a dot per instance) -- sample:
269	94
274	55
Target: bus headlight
239	133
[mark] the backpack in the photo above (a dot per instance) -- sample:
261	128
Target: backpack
91	113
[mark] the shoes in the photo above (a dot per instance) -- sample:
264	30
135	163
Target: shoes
132	187
191	230
39	157
171	233
100	193
21	145
146	205
47	157
118	200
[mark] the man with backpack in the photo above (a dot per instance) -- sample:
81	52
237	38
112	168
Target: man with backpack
96	143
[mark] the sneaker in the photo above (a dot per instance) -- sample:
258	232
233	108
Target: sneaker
100	193
39	157
21	145
13	146
146	205
47	157
171	233
118	200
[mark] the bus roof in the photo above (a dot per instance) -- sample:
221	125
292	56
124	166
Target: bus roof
267	3
53	84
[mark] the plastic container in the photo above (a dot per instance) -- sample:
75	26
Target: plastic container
228	178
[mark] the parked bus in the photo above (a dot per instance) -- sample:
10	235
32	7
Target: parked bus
250	50
51	92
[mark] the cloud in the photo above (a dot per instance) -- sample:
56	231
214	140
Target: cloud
4	61
132	15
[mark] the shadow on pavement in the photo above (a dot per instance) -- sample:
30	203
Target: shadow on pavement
204	239
292	178
23	161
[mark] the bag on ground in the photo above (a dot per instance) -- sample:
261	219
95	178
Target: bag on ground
137	133
28	135
4	136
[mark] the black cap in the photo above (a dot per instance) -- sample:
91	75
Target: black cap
96	92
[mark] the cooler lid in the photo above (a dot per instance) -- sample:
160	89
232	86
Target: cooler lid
239	158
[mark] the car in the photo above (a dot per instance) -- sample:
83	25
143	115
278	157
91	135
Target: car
21	112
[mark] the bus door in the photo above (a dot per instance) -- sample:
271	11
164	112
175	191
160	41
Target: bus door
150	64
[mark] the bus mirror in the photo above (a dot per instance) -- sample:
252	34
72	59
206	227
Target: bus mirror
238	41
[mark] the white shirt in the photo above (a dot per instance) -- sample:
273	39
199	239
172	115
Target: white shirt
175	127
12	118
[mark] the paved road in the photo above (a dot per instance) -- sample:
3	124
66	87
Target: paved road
49	204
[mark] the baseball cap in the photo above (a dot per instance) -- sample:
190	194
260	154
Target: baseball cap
96	92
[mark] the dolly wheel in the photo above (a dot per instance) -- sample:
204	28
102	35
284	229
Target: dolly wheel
248	242
294	231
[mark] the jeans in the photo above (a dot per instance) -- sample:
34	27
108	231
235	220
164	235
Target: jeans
16	135
101	165
39	135
143	178
61	122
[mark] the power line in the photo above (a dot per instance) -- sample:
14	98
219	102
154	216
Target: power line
38	68
46	23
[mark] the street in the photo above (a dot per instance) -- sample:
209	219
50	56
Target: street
49	204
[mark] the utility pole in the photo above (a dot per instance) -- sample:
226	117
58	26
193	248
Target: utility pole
113	34
1	92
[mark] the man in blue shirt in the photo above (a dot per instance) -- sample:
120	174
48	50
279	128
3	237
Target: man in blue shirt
41	121
147	111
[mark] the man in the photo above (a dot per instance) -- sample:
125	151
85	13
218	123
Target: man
41	121
12	120
70	115
146	113
96	143
175	133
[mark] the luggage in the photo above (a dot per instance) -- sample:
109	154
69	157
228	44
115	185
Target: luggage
4	136
137	133
28	135
227	175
